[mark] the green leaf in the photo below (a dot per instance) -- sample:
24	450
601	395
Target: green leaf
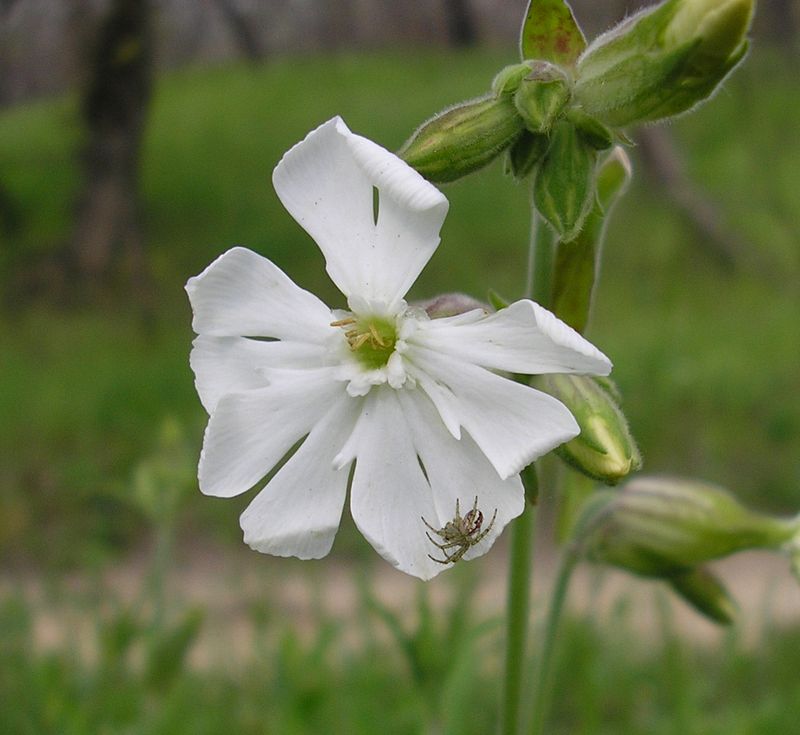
550	32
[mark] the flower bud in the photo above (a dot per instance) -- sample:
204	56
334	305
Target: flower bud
450	304
576	262
542	95
605	449
463	139
507	79
720	25
663	60
563	190
662	526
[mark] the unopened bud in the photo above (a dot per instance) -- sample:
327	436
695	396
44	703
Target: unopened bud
507	79
605	449
563	190
542	95
450	304
720	26
663	60
463	139
662	526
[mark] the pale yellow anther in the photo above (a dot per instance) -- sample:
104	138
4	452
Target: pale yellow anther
344	322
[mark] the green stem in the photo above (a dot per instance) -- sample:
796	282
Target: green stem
518	604
544	668
538	287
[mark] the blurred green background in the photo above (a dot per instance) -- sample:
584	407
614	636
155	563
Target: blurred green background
100	425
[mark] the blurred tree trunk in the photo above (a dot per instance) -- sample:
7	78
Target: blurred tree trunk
244	30
462	29
662	160
783	21
114	111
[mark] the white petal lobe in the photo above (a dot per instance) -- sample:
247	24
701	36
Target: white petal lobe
457	470
390	494
242	294
522	338
237	364
298	512
326	183
513	424
248	433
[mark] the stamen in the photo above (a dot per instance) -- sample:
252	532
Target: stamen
376	338
343	322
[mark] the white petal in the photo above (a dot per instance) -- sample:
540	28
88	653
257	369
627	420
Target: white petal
390	494
248	433
326	183
236	364
522	338
458	470
298	512
242	294
512	423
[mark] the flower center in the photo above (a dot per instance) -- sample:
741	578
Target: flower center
372	340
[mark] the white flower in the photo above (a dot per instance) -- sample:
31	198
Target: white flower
415	402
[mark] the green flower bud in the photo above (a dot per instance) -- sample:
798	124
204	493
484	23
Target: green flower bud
525	153
720	25
605	449
542	95
576	262
663	60
463	139
703	590
663	526
507	79
563	190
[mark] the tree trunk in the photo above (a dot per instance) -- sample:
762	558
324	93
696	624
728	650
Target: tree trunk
662	160
462	30
114	109
244	30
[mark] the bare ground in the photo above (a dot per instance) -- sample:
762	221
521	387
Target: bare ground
230	584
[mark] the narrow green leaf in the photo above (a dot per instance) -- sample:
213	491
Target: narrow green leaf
550	32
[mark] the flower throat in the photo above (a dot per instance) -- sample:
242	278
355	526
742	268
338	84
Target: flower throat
372	340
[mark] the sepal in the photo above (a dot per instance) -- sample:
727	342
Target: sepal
463	139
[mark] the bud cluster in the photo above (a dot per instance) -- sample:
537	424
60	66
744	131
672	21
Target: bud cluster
564	103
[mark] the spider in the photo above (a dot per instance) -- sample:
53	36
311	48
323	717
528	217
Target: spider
460	534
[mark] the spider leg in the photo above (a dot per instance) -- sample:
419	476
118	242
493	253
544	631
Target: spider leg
446	560
445	546
457	555
435	530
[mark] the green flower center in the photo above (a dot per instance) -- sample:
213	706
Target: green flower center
372	339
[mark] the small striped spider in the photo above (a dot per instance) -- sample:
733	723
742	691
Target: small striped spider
460	534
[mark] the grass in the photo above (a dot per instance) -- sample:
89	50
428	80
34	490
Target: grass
438	673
